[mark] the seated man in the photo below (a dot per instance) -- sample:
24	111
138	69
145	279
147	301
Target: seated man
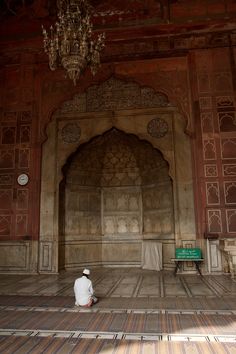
83	289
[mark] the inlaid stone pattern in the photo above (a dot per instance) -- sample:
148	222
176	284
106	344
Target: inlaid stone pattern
157	128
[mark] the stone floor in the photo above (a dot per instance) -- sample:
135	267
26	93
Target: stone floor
187	313
122	283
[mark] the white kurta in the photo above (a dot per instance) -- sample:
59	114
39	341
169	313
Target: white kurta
83	290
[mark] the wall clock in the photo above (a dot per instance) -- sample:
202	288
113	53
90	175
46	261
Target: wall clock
23	179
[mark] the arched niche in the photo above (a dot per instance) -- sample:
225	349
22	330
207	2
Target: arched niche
115	193
133	110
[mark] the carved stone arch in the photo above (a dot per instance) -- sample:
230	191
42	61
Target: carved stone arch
122	105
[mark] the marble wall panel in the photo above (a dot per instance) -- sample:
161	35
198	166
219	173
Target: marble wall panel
78	254
215	256
46	256
82	211
122	253
15	256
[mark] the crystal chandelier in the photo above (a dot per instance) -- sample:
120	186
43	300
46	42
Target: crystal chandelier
71	42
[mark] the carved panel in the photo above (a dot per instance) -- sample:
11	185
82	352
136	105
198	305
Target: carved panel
8	135
115	94
224	102
46	256
82	211
158	223
7	159
207	122
121	201
212	193
214	221
211	170
222	81
109	225
6	179
9	116
209	149
22	199
24	158
231	220
227	121
21	225
228	148
204	82
5	225
6	197
205	103
230	192
215	255
229	169
25	134
25	116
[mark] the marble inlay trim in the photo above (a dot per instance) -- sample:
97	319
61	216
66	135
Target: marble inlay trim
164	337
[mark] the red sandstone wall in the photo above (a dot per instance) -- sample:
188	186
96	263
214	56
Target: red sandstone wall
198	81
215	141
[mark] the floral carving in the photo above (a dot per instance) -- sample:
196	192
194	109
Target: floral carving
157	128
70	133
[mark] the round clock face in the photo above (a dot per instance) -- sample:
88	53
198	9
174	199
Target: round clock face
23	179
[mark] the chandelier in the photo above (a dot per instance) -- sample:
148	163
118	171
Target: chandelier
71	42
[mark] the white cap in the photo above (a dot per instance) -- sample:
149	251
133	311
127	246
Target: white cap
86	271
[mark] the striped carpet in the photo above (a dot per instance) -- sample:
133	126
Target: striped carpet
214	324
22	345
178	303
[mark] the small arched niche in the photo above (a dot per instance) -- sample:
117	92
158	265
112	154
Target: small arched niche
116	191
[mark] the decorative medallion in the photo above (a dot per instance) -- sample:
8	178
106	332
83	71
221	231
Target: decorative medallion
157	128
70	133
